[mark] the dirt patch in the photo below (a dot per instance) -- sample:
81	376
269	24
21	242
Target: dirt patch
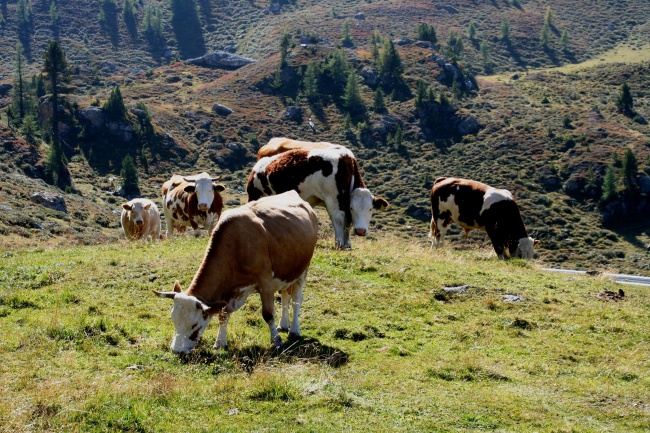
609	296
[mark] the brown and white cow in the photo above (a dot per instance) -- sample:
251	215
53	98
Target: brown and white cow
329	177
476	206
264	246
140	218
191	201
281	144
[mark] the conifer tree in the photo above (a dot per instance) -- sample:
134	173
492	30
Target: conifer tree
336	69
391	67
129	174
421	94
375	40
548	18
55	65
471	30
152	24
545	36
352	98
610	187
379	106
427	33
630	171
54	16
564	40
505	30
128	13
114	106
484	49
284	49
346	40
24	17
20	87
625	102
310	82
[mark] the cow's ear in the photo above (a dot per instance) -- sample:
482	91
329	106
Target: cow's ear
218	187
126	206
536	241
379	203
147	206
177	287
190	188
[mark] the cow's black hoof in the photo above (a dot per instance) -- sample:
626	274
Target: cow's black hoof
283	329
293	336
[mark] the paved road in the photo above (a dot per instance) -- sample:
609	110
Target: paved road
619	278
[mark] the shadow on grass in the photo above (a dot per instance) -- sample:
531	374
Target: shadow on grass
515	54
552	56
302	349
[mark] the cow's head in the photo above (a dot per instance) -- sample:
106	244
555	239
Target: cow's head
362	203
526	248
205	188
190	317
137	209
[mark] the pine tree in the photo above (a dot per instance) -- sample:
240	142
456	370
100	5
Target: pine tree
398	138
24	17
391	67
610	187
484	49
55	65
20	87
152	24
421	94
310	82
630	171
336	71
625	102
378	105
284	49
54	16
545	36
427	33
471	30
129	174
548	18
114	106
352	98
375	40
564	40
346	40
128	13
505	30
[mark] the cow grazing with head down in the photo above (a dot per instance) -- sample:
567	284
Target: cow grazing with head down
329	177
191	201
281	144
264	246
140	218
476	206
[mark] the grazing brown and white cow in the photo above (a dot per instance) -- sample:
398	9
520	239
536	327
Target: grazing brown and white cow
329	177
140	218
191	201
476	206
281	144
265	247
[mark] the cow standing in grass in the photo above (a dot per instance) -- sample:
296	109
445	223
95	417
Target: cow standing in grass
191	201
265	247
140	218
476	206
322	176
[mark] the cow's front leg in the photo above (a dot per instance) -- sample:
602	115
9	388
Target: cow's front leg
338	222
221	341
285	296
266	293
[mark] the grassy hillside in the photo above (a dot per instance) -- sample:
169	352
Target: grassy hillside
549	117
384	347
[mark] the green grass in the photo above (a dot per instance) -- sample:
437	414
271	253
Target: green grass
85	346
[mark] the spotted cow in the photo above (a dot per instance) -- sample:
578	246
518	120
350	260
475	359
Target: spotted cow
476	206
329	177
262	247
281	144
191	201
140	219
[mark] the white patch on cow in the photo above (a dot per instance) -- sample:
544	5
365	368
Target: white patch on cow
525	248
204	192
331	154
260	166
493	195
190	320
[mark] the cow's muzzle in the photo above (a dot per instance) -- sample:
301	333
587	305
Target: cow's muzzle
138	222
360	232
203	207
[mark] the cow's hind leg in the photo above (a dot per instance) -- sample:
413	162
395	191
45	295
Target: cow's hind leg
296	303
267	295
434	233
285	296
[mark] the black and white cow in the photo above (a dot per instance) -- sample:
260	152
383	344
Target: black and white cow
322	176
477	206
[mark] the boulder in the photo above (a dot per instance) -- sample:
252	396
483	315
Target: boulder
370	77
49	200
221	110
360	16
221	60
5	88
94	115
293	112
276	8
403	41
449	9
425	44
121	130
468	125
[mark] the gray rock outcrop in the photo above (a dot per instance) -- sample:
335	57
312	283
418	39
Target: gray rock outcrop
369	77
5	88
221	60
221	109
49	200
94	115
293	112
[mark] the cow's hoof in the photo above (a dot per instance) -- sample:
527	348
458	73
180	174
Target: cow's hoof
283	329
293	336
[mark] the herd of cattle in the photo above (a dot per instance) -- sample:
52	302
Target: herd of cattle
278	222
